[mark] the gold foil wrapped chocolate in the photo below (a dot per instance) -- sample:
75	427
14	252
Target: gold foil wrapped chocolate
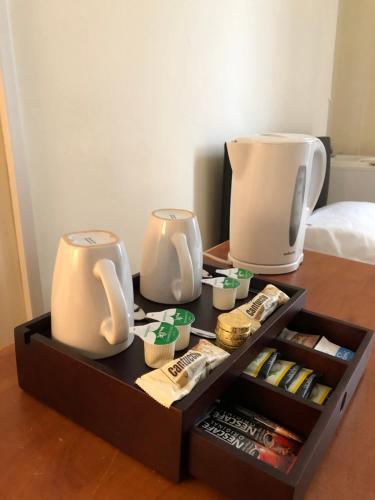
226	348
230	339
234	322
232	329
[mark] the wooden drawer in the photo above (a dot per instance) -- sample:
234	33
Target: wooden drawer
102	396
242	476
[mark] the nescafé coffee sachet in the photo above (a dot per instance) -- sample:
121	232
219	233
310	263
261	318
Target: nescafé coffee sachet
235	439
251	428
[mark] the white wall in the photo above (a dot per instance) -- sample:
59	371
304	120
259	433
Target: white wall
353	106
126	104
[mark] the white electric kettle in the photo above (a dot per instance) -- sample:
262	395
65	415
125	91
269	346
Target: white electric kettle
276	182
172	258
92	294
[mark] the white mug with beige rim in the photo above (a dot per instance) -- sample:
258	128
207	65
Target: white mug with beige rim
92	294
172	258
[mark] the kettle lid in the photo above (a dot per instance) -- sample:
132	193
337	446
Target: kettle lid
276	138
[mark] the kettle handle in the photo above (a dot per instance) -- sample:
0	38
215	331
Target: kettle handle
183	288
318	170
114	328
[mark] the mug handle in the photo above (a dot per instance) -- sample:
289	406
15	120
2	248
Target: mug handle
114	328
183	288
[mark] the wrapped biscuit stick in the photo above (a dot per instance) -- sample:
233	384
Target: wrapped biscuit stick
178	377
264	303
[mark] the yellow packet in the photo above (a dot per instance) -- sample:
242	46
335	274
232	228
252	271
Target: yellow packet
278	371
256	365
299	379
320	393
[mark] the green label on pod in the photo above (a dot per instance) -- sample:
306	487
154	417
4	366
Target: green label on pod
231	283
160	333
236	272
183	317
244	274
177	317
222	282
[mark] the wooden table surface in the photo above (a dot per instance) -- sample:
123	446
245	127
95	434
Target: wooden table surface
45	456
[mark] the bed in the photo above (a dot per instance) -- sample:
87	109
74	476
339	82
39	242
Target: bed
344	229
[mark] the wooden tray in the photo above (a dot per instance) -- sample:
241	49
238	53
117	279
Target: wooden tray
242	476
102	396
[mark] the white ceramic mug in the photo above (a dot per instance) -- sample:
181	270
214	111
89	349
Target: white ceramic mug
92	294
172	259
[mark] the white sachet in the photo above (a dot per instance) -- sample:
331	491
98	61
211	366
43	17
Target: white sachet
178	377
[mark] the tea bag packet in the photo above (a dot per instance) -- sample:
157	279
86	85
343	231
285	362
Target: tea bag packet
177	378
182	319
317	342
299	379
300	338
320	393
289	377
262	364
264	303
307	385
278	371
159	342
242	275
324	345
224	292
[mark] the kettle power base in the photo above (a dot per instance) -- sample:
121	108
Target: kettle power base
267	269
101	396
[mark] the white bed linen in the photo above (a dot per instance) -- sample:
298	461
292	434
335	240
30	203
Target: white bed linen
345	229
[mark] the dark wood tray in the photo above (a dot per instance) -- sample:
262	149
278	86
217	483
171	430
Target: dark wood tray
242	476
101	395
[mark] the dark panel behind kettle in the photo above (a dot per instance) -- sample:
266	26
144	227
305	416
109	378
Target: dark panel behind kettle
225	204
322	201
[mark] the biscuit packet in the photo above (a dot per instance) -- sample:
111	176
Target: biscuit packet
264	303
178	377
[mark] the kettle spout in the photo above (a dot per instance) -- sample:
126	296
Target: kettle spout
238	153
